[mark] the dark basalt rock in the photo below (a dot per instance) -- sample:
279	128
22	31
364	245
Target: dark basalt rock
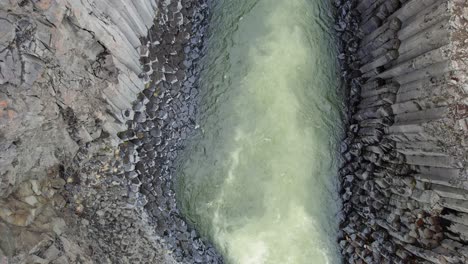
163	120
400	146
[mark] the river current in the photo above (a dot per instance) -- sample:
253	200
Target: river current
259	178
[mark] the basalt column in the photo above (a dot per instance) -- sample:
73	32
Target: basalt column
404	181
162	120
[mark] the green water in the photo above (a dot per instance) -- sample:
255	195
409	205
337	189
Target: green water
259	178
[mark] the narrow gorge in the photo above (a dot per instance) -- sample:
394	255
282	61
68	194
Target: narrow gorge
259	174
233	131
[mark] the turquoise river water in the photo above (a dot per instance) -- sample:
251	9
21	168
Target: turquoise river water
260	177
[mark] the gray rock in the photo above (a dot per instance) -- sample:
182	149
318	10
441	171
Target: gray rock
7	33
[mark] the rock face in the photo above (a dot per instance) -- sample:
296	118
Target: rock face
404	178
69	74
68	70
163	118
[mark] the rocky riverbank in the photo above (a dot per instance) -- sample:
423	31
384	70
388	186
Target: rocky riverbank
404	191
96	98
164	118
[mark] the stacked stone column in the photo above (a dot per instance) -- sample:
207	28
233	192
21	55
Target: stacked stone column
404	179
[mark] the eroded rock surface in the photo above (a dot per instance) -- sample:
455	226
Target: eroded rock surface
69	73
404	181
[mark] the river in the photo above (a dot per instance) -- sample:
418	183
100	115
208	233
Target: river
259	178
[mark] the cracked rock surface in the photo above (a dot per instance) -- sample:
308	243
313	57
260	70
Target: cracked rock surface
71	79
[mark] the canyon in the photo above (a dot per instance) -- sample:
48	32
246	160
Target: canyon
102	102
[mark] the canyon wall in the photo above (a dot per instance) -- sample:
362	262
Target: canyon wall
69	72
69	69
404	179
96	98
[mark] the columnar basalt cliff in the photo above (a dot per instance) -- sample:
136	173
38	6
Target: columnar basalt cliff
84	135
163	118
404	179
